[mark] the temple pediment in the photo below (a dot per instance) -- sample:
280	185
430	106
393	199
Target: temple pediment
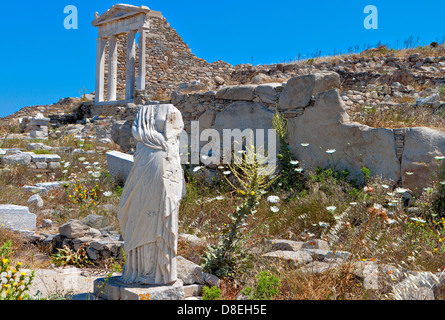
122	18
118	12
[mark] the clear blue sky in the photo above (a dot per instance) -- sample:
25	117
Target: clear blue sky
42	62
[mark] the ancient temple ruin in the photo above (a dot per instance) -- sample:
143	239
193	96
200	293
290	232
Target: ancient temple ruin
126	20
140	55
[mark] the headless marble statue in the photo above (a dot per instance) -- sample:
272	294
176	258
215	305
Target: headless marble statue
149	205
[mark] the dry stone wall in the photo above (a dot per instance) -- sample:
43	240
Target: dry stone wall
169	63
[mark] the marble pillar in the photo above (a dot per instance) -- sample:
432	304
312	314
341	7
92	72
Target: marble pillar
100	69
140	84
130	77
112	68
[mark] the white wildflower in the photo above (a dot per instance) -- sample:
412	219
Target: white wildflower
273	199
274	209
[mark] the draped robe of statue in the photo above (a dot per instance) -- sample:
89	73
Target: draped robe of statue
149	205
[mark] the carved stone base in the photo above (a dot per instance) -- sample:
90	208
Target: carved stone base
116	290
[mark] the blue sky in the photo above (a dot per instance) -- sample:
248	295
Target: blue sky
41	61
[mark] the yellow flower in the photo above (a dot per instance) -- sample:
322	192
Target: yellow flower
23	273
14	270
252	193
6	285
19	264
5	261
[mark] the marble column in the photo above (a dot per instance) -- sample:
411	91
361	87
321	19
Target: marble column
140	83
100	69
112	68
130	77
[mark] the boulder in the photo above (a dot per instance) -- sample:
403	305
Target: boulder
35	200
95	221
326	126
73	229
299	90
121	135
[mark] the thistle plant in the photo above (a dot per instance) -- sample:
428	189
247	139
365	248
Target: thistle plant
251	179
13	282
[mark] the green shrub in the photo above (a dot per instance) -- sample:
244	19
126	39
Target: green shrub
212	293
267	287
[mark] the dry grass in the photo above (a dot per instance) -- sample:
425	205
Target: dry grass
400	116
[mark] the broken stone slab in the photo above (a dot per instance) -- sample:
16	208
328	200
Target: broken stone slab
22	159
37	146
116	290
326	255
286	245
60	281
189	272
293	258
316	244
119	164
17	217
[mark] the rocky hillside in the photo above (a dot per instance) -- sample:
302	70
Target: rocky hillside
322	235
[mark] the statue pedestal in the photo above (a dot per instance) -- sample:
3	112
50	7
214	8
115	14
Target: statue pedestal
116	290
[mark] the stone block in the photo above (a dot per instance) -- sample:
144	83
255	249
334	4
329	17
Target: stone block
45	158
237	93
267	93
299	90
116	290
423	153
41	165
119	164
17	217
22	159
